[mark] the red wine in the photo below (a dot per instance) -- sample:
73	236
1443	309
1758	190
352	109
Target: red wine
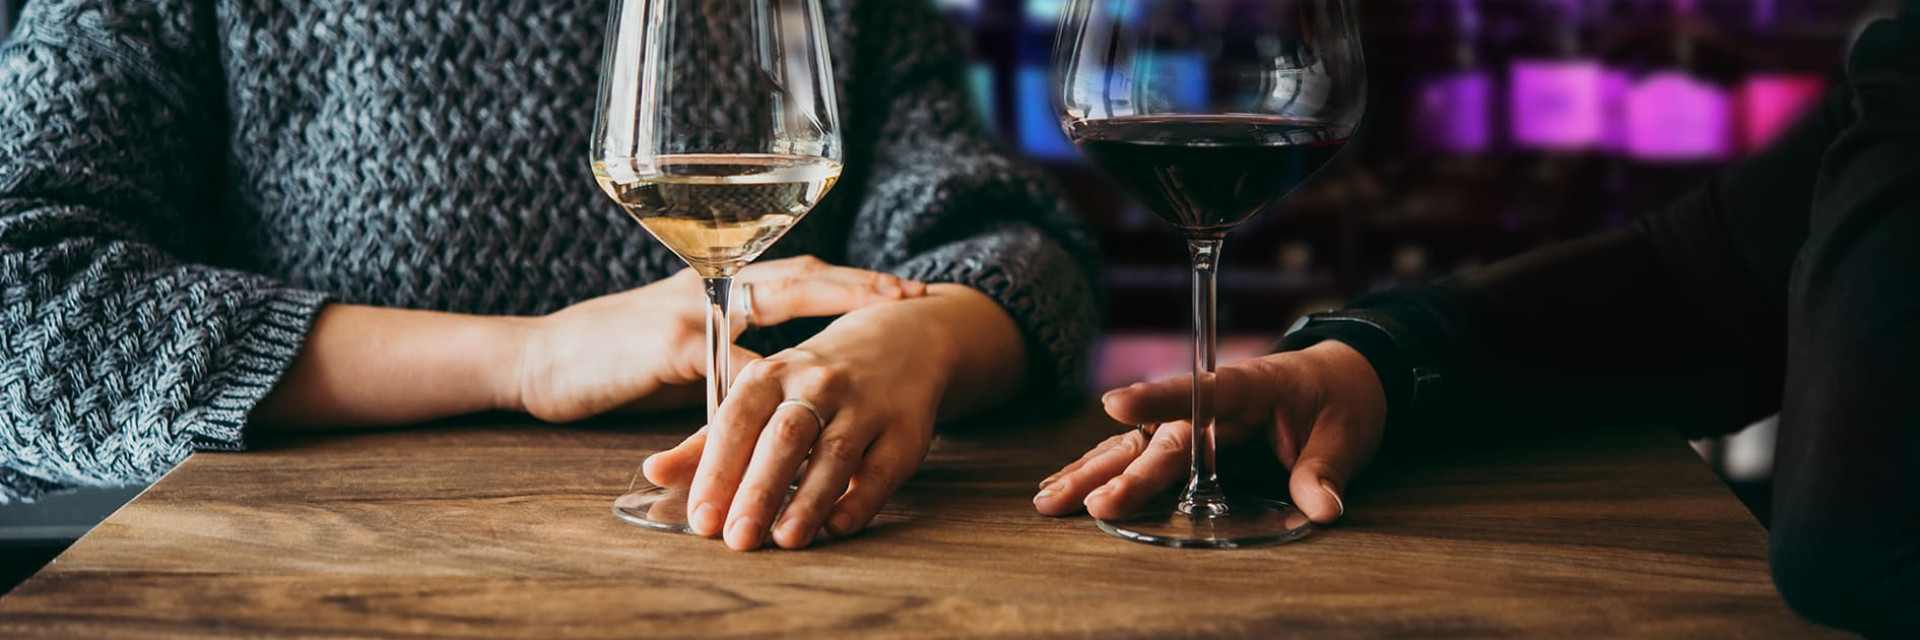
1207	174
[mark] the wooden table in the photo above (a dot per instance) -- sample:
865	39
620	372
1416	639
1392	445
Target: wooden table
503	531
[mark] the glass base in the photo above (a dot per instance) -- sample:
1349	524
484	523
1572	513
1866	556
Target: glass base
663	509
1248	522
654	507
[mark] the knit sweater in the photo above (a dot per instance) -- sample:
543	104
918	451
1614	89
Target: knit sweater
185	183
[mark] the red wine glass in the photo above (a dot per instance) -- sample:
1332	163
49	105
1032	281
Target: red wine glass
1208	112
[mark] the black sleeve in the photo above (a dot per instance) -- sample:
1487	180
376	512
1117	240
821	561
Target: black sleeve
1846	524
1801	264
1678	317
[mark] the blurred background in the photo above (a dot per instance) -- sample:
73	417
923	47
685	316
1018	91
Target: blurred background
1494	126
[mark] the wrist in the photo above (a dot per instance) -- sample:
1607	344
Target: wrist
895	330
1410	386
511	356
1348	369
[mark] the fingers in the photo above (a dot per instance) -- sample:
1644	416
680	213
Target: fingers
807	288
674	468
1244	395
1066	492
783	445
1166	462
1091	455
836	457
1151	402
1241	393
1334	452
887	465
729	446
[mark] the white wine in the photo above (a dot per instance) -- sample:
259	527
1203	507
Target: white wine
718	211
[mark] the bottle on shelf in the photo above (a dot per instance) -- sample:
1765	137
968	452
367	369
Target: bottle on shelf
1456	102
1616	23
1556	120
1453	125
1679	119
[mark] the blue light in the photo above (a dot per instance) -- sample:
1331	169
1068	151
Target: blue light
1040	134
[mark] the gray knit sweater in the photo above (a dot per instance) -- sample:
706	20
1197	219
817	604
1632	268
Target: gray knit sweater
184	183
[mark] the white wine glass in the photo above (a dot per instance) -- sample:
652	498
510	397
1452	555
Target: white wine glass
1209	112
717	130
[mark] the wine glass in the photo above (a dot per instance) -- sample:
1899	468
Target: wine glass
717	131
1207	112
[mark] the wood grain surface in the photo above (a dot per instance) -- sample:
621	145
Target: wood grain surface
502	530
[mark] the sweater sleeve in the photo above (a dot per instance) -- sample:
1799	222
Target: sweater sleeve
944	204
119	353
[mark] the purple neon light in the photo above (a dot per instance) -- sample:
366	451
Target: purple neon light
1673	117
1457	112
1769	103
1557	104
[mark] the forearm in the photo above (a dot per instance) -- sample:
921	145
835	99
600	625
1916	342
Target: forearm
975	354
369	366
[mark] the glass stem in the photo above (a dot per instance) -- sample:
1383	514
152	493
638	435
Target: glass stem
1203	496
719	343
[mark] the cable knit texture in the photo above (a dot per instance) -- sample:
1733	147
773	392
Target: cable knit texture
184	183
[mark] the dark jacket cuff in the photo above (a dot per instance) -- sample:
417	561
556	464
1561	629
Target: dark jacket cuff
1372	336
1413	339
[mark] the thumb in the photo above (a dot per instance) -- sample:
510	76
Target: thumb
1243	394
674	467
1334	453
1151	402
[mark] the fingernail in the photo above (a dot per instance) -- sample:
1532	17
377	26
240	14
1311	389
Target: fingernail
842	523
1050	480
791	529
745	532
705	520
1327	486
1103	490
1045	492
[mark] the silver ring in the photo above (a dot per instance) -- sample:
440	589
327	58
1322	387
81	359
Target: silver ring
804	405
746	302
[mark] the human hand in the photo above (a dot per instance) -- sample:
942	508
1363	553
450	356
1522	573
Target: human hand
1321	409
645	348
878	378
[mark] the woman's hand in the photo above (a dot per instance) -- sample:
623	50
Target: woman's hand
1320	409
878	378
646	348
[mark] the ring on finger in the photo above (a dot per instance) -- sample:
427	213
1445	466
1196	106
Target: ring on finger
812	410
746	302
